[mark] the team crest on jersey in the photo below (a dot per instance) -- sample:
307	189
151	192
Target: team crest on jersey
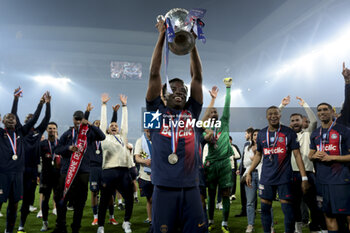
281	139
164	228
334	136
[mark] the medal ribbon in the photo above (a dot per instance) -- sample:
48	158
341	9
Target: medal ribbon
197	29
73	136
148	150
276	136
195	16
13	142
97	145
175	133
149	144
327	136
169	38
121	142
76	158
52	154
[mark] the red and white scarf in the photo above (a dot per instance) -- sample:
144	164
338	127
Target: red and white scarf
76	158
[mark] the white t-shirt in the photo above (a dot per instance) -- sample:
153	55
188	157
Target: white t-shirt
138	150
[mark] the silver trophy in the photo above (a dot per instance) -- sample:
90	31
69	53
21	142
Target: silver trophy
184	41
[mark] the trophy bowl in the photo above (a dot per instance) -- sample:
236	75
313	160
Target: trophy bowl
184	41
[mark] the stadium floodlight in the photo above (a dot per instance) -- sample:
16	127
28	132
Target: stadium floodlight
47	79
334	48
236	92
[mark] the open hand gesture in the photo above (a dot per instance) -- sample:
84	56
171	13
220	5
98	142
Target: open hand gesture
123	99
301	101
214	92
89	107
285	101
116	107
346	73
105	98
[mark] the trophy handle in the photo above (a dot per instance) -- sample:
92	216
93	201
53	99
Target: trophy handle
160	17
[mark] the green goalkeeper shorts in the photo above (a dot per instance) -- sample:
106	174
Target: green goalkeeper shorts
219	173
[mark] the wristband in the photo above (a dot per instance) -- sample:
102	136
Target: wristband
304	178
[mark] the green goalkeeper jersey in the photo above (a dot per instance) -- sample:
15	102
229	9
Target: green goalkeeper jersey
222	148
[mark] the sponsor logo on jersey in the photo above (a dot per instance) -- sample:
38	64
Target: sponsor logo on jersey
276	150
329	147
183	132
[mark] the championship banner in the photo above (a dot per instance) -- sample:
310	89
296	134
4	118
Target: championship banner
76	158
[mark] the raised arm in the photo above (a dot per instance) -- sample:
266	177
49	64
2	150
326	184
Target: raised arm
155	80
310	114
196	74
15	106
226	113
213	93
285	101
43	125
115	113
30	124
344	117
124	124
104	99
89	108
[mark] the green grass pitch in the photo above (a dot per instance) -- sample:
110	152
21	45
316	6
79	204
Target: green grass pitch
33	224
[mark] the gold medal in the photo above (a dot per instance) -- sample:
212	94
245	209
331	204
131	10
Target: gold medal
172	158
14	157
